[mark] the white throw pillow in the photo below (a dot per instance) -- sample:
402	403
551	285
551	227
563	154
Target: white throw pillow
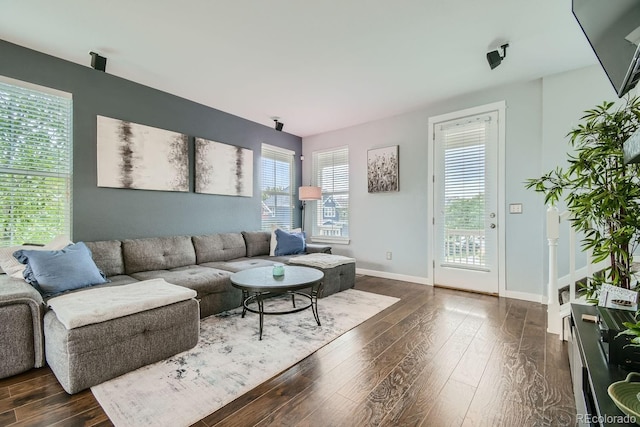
274	241
12	266
9	264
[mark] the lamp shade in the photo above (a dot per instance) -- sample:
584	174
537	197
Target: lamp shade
309	193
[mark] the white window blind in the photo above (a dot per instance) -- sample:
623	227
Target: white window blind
35	164
464	145
331	214
277	189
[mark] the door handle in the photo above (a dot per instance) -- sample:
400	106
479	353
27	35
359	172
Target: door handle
492	225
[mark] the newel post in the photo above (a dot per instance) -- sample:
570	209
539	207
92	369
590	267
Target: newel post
553	233
554	323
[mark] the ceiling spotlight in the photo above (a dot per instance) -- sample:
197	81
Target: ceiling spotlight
494	58
98	62
278	125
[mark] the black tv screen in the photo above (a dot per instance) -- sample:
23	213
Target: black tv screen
613	30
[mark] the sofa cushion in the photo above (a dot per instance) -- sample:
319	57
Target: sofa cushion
239	264
203	280
107	255
257	242
219	247
119	280
284	259
157	253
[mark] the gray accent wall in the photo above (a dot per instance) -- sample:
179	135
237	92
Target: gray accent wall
109	213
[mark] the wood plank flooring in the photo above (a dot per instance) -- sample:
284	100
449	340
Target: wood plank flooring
438	357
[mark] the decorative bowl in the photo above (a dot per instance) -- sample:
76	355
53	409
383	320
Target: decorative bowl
626	395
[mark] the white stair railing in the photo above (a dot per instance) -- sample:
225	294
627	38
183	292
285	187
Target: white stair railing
557	311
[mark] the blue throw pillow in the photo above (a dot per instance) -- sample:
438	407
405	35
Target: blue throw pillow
289	243
55	272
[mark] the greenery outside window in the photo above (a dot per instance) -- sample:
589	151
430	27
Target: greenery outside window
331	214
276	185
35	163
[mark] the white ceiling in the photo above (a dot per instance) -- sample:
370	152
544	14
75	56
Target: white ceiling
320	65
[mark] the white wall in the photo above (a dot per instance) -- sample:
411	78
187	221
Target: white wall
537	112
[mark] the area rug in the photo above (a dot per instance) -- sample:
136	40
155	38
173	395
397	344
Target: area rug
229	360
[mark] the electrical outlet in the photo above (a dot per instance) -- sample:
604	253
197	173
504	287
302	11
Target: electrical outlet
515	208
389	255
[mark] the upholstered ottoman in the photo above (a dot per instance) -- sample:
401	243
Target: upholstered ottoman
339	271
90	339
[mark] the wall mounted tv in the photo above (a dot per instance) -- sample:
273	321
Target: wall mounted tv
613	30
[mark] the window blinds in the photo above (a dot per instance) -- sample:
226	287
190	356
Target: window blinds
331	173
277	190
35	165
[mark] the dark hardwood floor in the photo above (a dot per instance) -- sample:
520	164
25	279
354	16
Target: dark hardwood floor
437	357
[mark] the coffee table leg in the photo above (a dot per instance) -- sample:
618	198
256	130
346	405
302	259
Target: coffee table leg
315	291
261	311
293	299
245	296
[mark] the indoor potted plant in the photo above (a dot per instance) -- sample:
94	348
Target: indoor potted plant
601	192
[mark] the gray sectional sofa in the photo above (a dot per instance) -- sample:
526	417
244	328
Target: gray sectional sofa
202	263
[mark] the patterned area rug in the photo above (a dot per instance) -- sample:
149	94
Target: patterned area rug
229	360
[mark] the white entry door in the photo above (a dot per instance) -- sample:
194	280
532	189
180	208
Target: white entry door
466	214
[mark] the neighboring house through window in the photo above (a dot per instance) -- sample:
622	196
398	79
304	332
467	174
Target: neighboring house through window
331	214
276	185
35	163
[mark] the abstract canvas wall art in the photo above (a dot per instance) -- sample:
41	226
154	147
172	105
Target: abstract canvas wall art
223	169
383	172
141	157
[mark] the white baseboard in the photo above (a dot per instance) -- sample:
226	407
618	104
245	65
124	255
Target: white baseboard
394	276
525	296
425	281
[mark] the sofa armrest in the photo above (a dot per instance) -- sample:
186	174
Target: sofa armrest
21	310
315	248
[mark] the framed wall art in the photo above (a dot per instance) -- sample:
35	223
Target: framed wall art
383	169
141	157
223	169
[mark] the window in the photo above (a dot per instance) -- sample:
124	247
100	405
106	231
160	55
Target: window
331	173
35	163
329	212
276	186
